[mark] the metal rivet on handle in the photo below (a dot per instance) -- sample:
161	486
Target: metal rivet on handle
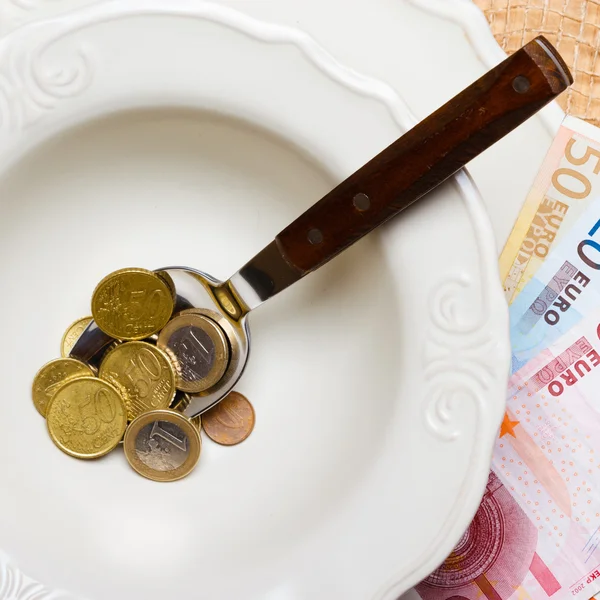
315	236
521	84
361	202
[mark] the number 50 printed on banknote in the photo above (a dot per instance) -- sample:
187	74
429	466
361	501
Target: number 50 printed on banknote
567	182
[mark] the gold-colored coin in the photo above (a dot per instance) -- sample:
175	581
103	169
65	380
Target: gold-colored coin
132	304
52	376
170	283
72	334
199	350
231	421
87	417
142	373
96	360
162	445
181	402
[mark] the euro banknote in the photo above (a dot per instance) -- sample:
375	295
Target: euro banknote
564	290
536	534
568	180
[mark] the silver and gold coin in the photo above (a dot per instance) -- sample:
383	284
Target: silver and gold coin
86	417
132	304
162	445
72	334
144	375
52	376
198	348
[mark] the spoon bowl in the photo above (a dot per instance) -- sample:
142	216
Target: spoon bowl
199	290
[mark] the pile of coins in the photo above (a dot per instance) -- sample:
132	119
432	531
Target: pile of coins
135	389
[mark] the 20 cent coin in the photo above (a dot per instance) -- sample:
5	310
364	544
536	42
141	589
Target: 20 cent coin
72	334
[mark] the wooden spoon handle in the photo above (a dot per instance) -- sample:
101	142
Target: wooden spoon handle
426	155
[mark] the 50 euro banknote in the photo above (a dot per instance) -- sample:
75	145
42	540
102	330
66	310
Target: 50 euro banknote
536	534
565	185
564	290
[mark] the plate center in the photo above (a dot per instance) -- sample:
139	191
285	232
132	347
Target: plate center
152	188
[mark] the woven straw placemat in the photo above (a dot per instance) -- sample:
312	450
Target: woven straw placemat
573	26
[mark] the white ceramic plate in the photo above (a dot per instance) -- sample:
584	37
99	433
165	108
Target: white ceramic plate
146	132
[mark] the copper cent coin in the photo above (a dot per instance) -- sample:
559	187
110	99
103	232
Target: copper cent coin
231	421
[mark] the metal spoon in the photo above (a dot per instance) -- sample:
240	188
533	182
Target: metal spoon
413	165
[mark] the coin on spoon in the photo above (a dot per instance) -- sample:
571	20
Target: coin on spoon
96	360
52	376
198	348
86	417
72	334
231	421
132	304
170	283
142	373
162	445
181	402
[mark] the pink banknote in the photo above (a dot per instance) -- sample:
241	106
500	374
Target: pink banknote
537	532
